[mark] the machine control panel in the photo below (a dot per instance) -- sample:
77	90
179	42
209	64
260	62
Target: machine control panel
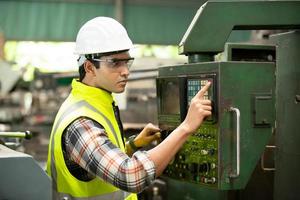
197	161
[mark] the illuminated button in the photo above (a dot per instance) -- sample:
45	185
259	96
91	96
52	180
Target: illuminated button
181	157
204	152
212	165
181	175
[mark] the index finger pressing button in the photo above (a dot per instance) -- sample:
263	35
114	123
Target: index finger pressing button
203	90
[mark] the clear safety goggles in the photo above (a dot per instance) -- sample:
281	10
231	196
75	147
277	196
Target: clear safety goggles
116	63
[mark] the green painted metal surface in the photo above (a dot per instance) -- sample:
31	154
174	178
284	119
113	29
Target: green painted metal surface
61	20
47	21
240	85
157	24
179	190
249	52
215	20
287	163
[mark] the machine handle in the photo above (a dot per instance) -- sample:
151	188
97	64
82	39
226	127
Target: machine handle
26	134
238	115
297	98
262	160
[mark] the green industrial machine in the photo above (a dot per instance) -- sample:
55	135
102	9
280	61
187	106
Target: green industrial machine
287	174
241	125
222	155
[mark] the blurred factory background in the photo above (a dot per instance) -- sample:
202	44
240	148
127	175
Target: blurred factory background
37	62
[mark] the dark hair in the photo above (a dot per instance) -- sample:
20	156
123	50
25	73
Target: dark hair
90	57
81	69
81	72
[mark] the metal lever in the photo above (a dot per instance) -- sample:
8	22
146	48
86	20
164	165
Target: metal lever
26	134
237	112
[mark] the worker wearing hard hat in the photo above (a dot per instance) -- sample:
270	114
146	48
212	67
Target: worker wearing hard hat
87	156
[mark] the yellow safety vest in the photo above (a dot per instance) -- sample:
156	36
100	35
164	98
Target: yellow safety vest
94	103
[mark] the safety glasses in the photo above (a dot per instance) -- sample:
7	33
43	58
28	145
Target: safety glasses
116	63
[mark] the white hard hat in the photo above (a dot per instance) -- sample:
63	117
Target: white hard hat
102	35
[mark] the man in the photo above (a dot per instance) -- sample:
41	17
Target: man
87	157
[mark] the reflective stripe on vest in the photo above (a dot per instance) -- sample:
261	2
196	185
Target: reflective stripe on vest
111	196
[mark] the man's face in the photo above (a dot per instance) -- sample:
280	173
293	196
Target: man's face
112	76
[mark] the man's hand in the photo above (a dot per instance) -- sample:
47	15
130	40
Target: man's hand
198	110
149	134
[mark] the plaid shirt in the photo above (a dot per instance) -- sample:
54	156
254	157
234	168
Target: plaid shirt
88	152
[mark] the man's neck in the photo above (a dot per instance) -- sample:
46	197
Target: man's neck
89	83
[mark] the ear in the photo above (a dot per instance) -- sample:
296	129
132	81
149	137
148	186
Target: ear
89	68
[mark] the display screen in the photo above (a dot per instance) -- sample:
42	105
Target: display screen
170	97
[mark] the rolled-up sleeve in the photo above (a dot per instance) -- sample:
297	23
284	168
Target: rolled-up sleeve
89	146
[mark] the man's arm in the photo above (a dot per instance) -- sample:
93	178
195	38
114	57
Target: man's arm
199	108
88	145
